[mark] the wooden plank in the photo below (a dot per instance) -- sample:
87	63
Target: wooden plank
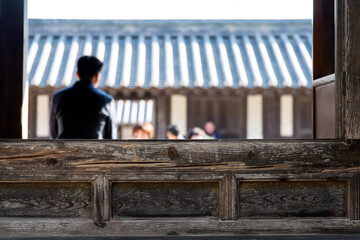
229	198
259	156
293	199
165	199
101	200
352	97
218	237
180	226
45	200
13	44
353	198
340	61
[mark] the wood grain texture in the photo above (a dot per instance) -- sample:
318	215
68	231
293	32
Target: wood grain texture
353	198
127	157
339	65
165	199
229	198
101	199
216	237
352	97
180	226
293	199
45	200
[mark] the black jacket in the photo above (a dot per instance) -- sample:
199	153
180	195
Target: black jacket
82	112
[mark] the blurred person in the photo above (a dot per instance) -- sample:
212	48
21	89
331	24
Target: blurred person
172	132
143	131
82	111
197	133
210	129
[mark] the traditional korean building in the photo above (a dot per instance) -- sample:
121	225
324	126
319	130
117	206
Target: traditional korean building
253	78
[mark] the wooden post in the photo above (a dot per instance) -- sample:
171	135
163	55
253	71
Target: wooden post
271	114
101	199
162	115
353	198
351	80
13	38
229	198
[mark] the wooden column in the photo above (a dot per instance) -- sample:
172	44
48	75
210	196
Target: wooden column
271	114
13	37
323	38
351	84
162	114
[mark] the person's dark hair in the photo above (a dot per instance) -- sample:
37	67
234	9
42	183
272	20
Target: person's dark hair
88	67
173	130
211	120
196	131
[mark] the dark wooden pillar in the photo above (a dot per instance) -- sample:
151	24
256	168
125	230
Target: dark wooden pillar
162	115
351	85
323	38
13	35
271	114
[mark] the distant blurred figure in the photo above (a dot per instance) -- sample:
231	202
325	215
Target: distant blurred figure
197	133
143	131
172	132
210	129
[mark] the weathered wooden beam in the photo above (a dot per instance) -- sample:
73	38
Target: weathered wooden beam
179	226
13	46
215	237
261	156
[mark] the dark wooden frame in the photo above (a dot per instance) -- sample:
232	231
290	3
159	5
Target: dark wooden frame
94	169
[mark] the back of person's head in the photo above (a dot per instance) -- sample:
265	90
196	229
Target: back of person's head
196	133
143	131
173	130
88	67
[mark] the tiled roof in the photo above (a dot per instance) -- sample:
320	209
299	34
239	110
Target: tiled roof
191	54
134	111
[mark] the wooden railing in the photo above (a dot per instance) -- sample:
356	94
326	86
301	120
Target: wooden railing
104	188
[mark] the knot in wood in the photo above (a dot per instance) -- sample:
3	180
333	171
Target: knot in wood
173	153
100	224
250	155
51	161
